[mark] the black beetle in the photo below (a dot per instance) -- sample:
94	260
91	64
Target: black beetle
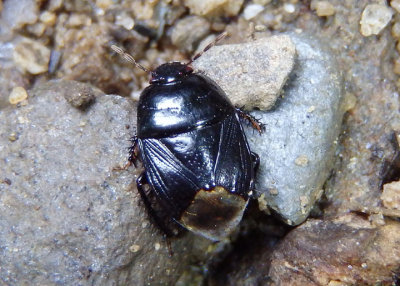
194	151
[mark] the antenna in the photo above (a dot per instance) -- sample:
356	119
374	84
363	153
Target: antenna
128	57
209	46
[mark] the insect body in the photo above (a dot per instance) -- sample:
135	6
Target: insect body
196	158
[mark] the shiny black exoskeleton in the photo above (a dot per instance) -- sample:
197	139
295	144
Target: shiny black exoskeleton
194	151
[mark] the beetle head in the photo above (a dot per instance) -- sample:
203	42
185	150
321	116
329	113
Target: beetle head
170	72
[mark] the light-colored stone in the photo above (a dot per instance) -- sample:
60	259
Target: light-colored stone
252	74
289	8
125	21
214	7
104	4
374	19
31	56
17	95
396	30
252	10
395	4
48	18
391	195
323	8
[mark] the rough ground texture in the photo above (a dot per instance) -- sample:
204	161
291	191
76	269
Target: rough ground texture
67	217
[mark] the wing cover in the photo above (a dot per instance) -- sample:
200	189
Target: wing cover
177	167
234	168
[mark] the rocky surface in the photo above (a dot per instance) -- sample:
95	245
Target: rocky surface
252	75
78	33
347	250
69	214
293	167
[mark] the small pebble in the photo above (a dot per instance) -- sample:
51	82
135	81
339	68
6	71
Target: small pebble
143	10
157	246
214	7
289	8
262	203
311	109
252	11
48	18
396	30
395	5
302	160
80	97
335	283
104	4
323	8
364	265
391	195
374	19
37	29
13	137
396	66
260	28
17	95
125	21
31	56
78	20
134	248
273	192
262	2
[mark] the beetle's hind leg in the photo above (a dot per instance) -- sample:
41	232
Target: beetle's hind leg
255	123
158	220
133	150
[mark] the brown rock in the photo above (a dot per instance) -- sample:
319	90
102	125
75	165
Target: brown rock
350	251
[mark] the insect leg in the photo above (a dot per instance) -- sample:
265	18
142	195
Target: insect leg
140	182
255	123
133	150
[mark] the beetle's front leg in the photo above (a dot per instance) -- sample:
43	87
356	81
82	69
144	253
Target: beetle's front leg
255	123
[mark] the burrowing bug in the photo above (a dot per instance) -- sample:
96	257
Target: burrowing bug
195	154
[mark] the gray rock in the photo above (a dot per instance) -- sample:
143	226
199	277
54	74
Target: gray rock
69	216
252	74
298	146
